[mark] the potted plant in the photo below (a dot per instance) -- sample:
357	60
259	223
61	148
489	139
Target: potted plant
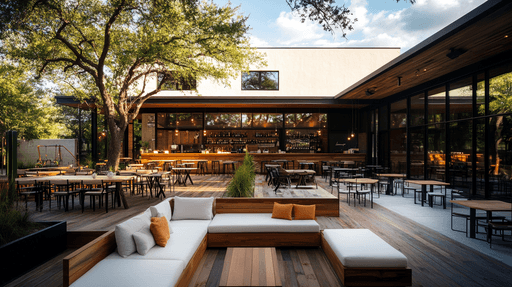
144	146
242	184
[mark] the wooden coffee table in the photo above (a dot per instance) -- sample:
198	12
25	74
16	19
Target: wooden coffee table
250	267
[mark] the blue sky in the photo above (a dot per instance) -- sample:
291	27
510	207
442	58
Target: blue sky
381	23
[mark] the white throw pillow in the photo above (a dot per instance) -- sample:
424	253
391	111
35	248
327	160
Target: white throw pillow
144	240
199	208
163	207
124	232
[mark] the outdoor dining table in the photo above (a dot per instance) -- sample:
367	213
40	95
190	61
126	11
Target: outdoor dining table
118	180
424	184
183	174
284	162
486	205
391	177
154	182
44	173
303	176
363	180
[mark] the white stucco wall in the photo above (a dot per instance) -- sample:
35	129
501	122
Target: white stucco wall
27	150
305	71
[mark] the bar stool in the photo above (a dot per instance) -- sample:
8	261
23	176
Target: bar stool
202	167
215	167
229	164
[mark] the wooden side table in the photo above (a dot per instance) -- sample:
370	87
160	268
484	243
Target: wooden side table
250	267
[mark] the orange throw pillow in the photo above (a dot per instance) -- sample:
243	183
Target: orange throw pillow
304	211
282	211
160	230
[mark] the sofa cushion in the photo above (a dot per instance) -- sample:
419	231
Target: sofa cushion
183	243
258	222
144	240
282	211
163	207
304	212
160	230
193	208
363	248
122	272
124	232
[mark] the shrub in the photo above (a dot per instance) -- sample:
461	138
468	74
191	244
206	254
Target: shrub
242	184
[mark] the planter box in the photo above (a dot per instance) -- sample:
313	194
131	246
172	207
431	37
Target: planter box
24	254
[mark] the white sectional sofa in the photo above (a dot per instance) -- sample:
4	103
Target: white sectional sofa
237	222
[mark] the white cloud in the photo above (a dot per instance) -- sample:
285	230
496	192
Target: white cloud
293	32
257	42
403	28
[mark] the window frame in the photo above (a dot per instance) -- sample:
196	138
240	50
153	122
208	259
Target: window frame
259	78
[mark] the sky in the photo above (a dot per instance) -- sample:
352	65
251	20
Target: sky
380	23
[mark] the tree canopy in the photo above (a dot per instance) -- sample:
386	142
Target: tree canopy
326	13
25	106
118	47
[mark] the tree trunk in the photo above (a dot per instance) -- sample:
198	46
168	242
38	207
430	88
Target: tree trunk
114	152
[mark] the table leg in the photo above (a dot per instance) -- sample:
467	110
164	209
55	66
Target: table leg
371	195
423	194
472	221
188	177
389	190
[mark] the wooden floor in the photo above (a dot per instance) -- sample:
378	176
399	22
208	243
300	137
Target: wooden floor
435	259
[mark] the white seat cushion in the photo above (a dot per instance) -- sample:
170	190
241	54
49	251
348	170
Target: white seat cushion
258	222
122	272
182	245
363	248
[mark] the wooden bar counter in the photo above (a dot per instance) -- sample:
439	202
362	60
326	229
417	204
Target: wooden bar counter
258	157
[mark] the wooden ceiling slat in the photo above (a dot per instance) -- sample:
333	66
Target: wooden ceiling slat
482	40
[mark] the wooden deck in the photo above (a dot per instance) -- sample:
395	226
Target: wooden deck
435	259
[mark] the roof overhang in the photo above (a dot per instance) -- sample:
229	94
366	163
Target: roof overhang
203	102
475	37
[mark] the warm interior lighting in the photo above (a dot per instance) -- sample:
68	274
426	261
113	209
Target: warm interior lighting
204	132
506	36
348	138
166	151
319	132
352	135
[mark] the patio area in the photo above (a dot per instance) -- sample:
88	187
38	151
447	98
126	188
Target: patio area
437	257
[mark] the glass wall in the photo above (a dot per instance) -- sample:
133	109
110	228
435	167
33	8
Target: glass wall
398	136
463	136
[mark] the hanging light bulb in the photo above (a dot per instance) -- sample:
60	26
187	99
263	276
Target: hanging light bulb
348	138
319	132
204	132
352	134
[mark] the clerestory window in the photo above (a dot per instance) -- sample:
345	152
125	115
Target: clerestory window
260	80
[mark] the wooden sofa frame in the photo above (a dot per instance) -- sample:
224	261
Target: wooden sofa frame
370	276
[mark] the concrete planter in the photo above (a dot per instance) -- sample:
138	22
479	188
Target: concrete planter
22	255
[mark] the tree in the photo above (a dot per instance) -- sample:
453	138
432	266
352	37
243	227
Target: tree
117	47
326	13
27	107
500	104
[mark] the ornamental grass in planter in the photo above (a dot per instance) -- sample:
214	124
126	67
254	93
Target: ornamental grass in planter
14	222
242	184
25	244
